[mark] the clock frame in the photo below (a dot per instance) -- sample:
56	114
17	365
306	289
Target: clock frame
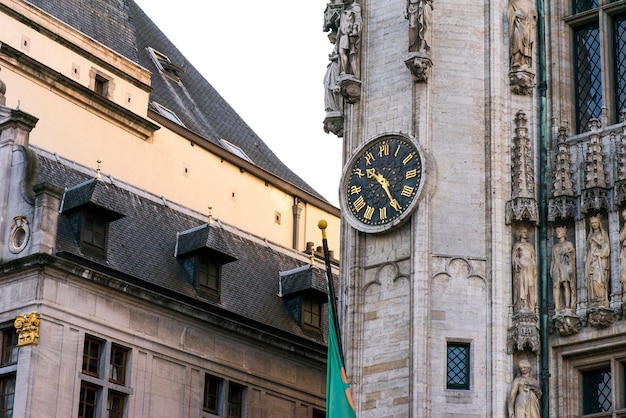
381	183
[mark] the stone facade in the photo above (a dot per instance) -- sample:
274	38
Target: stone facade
505	170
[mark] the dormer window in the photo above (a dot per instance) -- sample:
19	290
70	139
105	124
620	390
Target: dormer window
93	233
165	65
208	273
304	293
101	83
203	251
90	210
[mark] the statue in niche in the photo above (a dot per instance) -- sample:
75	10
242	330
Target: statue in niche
419	13
563	272
332	94
524	273
522	18
525	393
349	39
622	253
597	251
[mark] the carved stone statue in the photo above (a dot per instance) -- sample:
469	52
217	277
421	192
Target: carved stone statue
597	251
522	18
332	94
563	272
622	253
349	41
525	393
524	273
419	14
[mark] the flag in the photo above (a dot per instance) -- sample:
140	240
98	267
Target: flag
339	402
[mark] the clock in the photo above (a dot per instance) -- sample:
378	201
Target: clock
381	183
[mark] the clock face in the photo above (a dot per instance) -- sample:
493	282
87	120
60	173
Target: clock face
382	183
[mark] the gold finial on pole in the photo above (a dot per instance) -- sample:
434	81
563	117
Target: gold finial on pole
210	220
98	169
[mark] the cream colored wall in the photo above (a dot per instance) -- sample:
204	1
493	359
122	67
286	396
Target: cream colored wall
157	164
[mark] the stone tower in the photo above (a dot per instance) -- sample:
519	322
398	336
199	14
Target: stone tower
433	308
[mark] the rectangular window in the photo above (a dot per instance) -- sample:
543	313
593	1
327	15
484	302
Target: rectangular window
118	364
9	347
92	351
101	86
7	395
212	386
458	366
115	405
87	406
588	75
597	390
235	401
312	314
318	414
619	41
599	59
94	230
208	276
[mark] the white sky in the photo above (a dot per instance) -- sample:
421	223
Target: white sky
268	61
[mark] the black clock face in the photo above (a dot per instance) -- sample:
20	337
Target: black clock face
382	183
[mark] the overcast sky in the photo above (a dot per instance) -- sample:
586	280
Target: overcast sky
268	61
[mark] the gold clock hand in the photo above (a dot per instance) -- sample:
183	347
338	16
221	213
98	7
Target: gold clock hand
384	183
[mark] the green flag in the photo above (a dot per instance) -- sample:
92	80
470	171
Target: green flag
339	402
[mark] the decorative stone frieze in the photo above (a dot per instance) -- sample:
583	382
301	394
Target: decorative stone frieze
27	327
567	324
562	207
523	333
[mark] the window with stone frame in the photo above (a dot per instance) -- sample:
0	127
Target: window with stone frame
593	383
458	365
598	42
9	346
7	394
104	377
223	397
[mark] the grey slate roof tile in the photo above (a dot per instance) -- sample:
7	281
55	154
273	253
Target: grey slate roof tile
142	248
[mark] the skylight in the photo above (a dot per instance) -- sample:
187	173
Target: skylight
235	150
165	65
164	111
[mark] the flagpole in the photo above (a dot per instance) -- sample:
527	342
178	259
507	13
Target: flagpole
331	287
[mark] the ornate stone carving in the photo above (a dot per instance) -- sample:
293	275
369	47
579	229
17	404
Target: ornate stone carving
567	324
419	15
595	195
523	333
20	234
522	18
523	204
524	265
620	183
349	39
622	253
525	393
562	207
333	122
333	100
600	317
350	88
27	327
597	273
563	272
563	204
521	209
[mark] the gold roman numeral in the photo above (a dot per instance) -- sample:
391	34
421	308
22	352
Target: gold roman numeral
355	189
411	173
407	191
359	203
407	159
383	150
369	157
368	213
382	213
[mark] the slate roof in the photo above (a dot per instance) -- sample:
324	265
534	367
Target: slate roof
142	248
123	27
